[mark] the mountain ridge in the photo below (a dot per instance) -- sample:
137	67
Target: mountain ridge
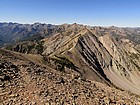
103	54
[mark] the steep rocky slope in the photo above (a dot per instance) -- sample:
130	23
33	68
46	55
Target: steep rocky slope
99	57
24	79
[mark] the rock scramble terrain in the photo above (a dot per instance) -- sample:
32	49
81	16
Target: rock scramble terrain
26	80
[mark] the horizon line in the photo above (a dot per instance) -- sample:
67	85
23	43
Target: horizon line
84	24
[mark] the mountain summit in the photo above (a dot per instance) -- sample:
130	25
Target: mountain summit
70	58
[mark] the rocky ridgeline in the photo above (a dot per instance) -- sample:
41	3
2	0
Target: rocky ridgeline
23	82
99	55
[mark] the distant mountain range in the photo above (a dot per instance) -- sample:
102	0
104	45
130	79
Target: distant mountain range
13	32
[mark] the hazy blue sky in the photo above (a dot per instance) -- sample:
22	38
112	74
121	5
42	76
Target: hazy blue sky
90	12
